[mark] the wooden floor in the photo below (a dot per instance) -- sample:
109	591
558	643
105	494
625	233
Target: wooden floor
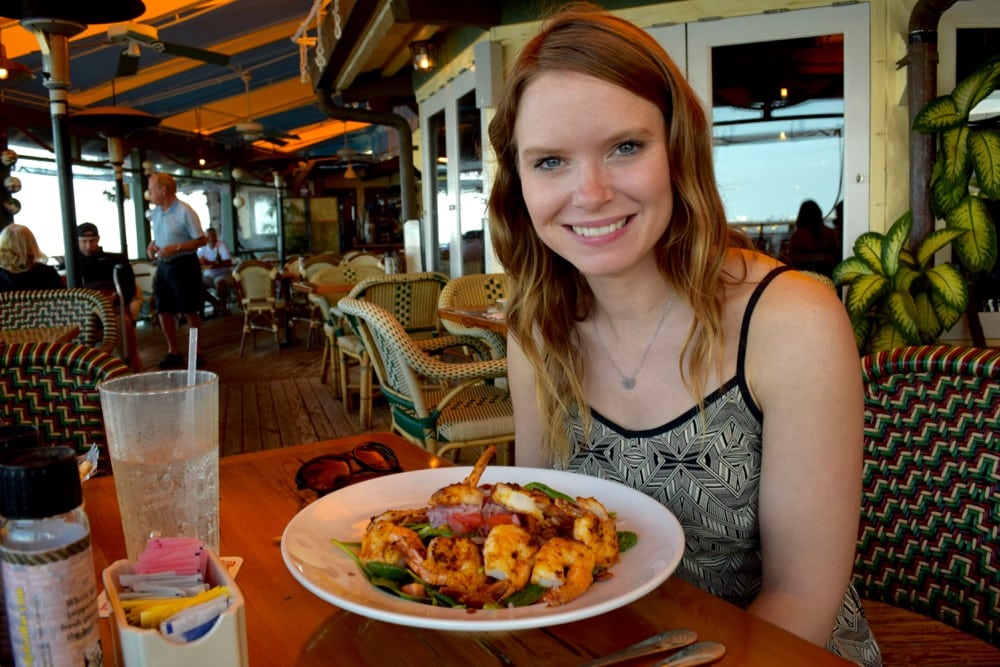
266	399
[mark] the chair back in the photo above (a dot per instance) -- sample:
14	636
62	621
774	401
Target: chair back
930	507
54	386
469	412
86	308
411	298
475	289
256	282
365	259
292	266
309	266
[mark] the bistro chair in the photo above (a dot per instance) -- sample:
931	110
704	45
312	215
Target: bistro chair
257	286
145	275
467	411
324	314
477	289
88	309
930	507
53	386
411	298
364	259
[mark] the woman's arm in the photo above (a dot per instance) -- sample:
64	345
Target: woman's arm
805	373
528	427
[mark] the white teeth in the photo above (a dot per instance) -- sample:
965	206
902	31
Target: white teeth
599	231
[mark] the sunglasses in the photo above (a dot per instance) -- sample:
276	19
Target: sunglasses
330	472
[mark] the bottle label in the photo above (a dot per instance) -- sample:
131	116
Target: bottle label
51	600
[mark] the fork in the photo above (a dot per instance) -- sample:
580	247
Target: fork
663	641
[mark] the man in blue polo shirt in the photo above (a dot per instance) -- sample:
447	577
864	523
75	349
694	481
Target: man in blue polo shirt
177	235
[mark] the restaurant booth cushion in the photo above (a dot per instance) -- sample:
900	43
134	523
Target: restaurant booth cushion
930	505
54	387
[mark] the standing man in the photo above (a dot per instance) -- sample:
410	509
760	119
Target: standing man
216	270
177	235
97	269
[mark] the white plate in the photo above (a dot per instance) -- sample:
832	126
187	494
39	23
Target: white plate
329	573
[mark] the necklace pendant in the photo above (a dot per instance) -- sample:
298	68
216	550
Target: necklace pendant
628	383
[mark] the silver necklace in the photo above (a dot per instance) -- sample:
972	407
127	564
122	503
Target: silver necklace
628	381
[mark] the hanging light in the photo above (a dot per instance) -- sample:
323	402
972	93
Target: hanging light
423	55
350	173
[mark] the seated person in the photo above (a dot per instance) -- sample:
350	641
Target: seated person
216	269
813	246
97	269
22	264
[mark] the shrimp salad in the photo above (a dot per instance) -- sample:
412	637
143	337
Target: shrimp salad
491	546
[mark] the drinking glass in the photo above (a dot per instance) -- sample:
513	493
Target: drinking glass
163	441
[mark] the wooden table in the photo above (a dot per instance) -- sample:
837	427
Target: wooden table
483	317
60	334
288	625
322	289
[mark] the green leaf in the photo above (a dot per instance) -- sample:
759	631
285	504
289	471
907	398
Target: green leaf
976	87
902	312
550	492
904	278
935	241
868	248
940	114
895	241
626	540
954	154
984	147
947	316
530	594
864	292
862	329
977	248
846	271
946	194
927	320
947	283
886	337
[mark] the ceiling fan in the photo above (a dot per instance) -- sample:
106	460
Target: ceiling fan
251	130
137	35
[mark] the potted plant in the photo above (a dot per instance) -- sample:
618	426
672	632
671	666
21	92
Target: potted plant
897	295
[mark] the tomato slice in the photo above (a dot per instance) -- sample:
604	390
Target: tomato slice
463	523
498	520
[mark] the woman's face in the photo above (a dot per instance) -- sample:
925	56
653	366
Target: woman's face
595	177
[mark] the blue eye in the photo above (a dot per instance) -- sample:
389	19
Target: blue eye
628	147
547	163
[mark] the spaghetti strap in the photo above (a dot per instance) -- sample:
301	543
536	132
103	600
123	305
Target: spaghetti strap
751	304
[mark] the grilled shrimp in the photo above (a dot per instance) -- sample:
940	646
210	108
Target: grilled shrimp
520	500
565	567
466	492
597	529
452	563
387	542
508	556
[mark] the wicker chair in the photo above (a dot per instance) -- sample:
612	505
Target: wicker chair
145	274
476	289
468	412
86	308
325	314
257	285
54	386
411	298
928	540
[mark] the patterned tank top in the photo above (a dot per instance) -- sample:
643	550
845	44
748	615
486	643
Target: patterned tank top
706	469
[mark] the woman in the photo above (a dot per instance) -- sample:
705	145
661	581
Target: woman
633	355
813	246
21	266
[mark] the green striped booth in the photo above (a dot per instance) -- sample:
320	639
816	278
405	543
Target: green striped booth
930	516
